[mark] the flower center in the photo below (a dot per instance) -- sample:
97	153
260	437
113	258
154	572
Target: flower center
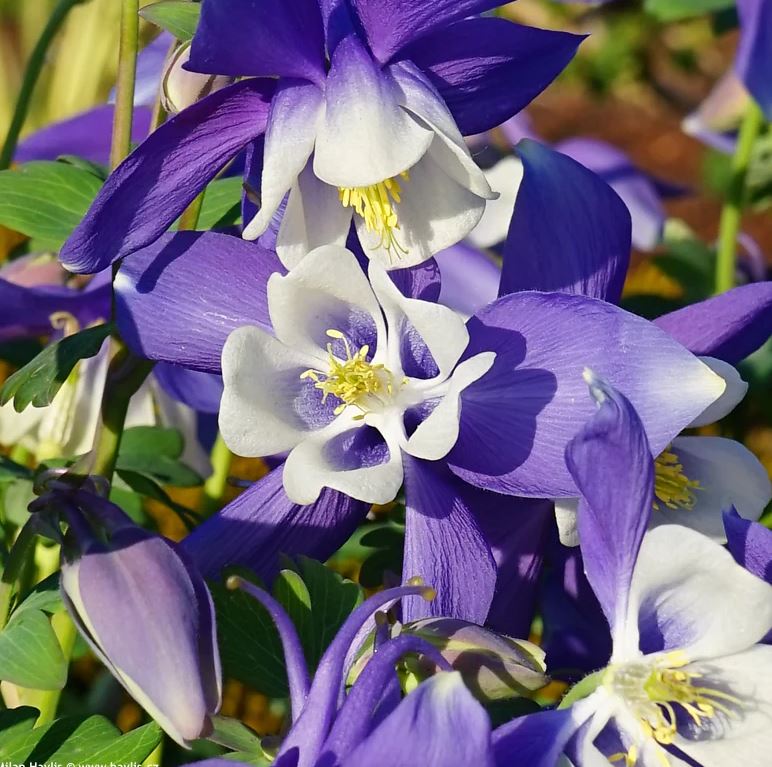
671	486
376	205
654	692
353	380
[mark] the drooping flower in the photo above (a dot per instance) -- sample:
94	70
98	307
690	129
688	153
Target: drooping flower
143	608
686	679
370	724
363	104
416	420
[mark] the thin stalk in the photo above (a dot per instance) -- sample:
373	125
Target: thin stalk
22	549
127	72
189	217
731	213
31	75
215	486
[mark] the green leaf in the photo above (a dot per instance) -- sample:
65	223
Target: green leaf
46	200
179	17
39	381
30	655
675	10
16	721
45	597
148	487
235	735
222	204
10	470
153	451
79	741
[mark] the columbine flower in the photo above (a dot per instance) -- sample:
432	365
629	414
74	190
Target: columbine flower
428	417
363	104
143	609
370	724
686	677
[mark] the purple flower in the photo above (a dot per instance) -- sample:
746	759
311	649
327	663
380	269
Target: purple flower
370	724
686	678
144	610
363	104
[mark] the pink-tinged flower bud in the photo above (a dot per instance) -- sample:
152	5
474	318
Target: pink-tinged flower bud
181	88
493	666
146	612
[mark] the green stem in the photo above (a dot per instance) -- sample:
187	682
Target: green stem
731	213
127	71
17	559
215	486
189	218
31	75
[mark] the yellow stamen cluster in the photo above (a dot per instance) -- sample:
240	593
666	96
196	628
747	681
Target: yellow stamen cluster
376	205
671	486
353	380
654	693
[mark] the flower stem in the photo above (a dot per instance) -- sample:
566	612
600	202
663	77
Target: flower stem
31	75
215	486
127	72
731	214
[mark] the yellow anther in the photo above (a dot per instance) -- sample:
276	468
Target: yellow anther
64	321
376	205
353	380
671	486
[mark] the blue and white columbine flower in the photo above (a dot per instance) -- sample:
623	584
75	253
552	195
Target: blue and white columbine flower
687	679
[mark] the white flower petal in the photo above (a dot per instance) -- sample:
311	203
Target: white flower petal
364	136
505	178
434	438
262	409
733	394
289	141
729	475
435	212
314	217
327	290
441	329
310	468
690	592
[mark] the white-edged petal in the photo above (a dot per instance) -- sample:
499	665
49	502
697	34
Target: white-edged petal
364	136
441	329
327	290
505	178
691	592
729	475
309	468
746	738
434	438
314	217
733	394
261	412
435	212
289	142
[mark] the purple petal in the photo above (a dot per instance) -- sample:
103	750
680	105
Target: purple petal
440	724
636	189
262	523
517	530
750	544
87	135
612	465
570	232
535	740
470	279
392	24
487	69
729	326
200	391
445	546
754	57
164	314
270	38
147	192
518	418
421	282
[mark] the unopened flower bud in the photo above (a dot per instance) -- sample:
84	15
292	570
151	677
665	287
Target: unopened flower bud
182	88
493	666
146	613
